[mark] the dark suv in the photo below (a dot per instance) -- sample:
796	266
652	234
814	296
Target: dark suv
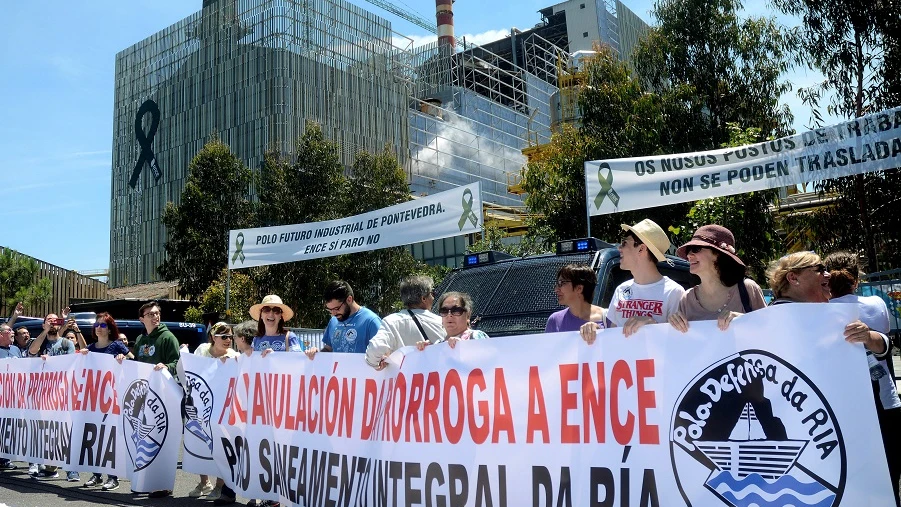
515	295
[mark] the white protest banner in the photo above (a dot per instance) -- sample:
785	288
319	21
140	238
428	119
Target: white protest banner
88	413
151	426
199	400
870	143
442	215
778	408
61	412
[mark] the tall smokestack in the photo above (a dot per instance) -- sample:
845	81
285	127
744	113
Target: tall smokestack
444	11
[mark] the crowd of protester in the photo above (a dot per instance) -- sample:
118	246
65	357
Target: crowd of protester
724	294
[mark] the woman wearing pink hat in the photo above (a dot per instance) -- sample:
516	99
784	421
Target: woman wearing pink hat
724	292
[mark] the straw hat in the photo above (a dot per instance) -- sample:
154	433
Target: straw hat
712	236
651	235
272	300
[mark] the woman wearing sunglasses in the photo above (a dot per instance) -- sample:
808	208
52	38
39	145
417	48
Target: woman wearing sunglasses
272	334
724	292
218	347
455	310
106	335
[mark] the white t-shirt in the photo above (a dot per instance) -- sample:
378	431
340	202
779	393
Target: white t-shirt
657	300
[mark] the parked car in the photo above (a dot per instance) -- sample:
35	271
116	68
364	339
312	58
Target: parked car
187	333
515	295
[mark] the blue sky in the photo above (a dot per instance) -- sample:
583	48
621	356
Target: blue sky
56	97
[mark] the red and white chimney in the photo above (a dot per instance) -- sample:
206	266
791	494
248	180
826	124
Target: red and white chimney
444	11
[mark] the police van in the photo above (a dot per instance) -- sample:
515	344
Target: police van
515	295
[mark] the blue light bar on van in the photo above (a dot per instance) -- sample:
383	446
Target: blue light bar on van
486	257
571	246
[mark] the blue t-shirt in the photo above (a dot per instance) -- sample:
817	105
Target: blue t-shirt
277	343
353	334
11	351
114	348
60	347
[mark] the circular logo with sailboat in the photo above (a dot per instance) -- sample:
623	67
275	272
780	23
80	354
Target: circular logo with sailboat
754	430
198	412
146	423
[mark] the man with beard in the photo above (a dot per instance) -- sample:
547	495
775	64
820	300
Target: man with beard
7	350
351	326
49	344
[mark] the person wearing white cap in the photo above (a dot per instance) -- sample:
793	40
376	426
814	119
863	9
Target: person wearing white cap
272	335
649	297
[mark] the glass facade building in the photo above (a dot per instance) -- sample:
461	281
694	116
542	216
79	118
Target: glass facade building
254	72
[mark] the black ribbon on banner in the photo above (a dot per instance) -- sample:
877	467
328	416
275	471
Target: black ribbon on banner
146	141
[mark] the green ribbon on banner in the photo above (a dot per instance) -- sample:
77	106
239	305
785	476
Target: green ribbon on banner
468	214
239	247
606	187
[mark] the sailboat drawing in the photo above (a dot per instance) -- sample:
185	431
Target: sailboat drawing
752	470
748	451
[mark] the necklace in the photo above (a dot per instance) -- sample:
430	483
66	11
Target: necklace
705	307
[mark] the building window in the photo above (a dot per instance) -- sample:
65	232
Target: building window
581	6
584	34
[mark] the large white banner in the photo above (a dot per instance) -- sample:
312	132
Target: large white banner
778	410
88	413
866	144
442	215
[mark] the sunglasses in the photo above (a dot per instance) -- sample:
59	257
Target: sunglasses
561	283
693	249
273	309
224	336
100	325
624	243
453	310
819	268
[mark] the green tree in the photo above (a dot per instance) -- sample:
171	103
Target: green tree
747	215
855	45
214	201
619	119
312	187
19	281
304	188
735	65
242	295
495	238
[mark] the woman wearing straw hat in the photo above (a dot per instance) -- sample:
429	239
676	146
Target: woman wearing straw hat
272	335
724	292
649	297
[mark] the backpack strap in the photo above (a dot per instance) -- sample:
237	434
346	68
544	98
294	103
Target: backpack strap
745	298
421	330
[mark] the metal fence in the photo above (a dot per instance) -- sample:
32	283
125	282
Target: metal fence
309	337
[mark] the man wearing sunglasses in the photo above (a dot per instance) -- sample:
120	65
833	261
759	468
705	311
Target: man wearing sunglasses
409	326
351	327
649	297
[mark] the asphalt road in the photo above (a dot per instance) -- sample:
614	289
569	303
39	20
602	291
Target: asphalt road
17	489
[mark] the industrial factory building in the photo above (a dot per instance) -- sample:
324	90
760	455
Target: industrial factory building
255	71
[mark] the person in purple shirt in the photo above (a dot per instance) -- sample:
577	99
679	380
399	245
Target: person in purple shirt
574	288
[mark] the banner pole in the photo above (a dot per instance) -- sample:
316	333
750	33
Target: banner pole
587	207
228	282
